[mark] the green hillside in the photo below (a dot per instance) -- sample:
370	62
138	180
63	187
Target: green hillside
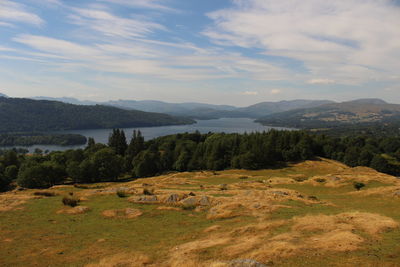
26	115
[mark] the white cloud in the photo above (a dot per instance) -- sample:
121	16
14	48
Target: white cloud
249	93
110	25
149	4
275	91
351	42
15	12
321	81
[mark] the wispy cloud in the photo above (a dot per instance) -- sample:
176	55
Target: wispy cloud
108	24
352	41
15	12
321	81
148	4
275	91
249	93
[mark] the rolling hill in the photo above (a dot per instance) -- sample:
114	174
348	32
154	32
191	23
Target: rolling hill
357	112
27	115
200	111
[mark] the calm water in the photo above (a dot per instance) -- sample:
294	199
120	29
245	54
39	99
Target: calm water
226	125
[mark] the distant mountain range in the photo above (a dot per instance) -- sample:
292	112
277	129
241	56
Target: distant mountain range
357	112
27	115
201	110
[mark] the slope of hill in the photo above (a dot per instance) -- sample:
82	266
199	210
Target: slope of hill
20	115
265	108
306	214
358	112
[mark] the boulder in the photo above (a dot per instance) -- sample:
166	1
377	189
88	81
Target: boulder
204	201
190	201
144	199
172	199
245	263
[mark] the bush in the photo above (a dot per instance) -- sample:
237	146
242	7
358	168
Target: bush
358	185
223	187
70	201
121	194
45	193
188	207
148	192
320	180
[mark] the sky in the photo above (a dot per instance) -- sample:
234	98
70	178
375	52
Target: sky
236	52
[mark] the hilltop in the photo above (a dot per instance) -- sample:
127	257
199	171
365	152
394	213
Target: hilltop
27	115
306	214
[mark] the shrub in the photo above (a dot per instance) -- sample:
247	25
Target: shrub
45	193
358	185
70	201
148	192
223	187
243	177
121	194
320	180
188	207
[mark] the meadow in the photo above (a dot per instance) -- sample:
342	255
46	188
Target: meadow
305	214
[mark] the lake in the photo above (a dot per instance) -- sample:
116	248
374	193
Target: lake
226	125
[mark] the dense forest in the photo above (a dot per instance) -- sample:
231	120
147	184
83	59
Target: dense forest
192	151
26	115
29	139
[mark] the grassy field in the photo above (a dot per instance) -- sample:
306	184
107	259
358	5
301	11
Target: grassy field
306	214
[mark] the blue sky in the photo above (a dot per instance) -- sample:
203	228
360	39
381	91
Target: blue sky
224	52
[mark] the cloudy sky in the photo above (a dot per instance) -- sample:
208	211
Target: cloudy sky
217	51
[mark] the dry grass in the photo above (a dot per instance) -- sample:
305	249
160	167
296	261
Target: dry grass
74	211
127	213
269	216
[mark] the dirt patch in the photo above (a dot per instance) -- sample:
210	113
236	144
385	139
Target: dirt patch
127	213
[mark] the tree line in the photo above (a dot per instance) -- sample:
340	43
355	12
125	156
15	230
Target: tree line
29	139
192	151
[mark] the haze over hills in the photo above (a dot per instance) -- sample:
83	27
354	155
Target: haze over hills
357	112
21	115
201	110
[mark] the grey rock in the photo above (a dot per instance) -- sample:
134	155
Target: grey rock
279	193
173	198
204	201
190	201
147	199
246	263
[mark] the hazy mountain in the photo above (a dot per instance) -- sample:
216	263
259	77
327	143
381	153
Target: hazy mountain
361	111
201	110
69	100
265	108
3	95
20	114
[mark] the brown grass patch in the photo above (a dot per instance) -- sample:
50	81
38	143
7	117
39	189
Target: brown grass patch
13	201
74	210
127	213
